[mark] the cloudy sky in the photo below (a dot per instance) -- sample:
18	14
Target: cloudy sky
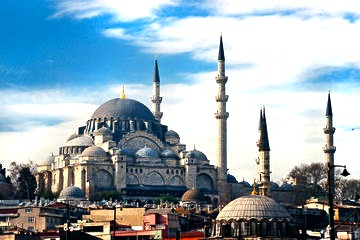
59	60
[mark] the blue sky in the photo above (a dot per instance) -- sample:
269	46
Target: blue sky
59	60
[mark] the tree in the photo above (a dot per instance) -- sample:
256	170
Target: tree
14	174
3	172
166	198
27	184
348	189
307	178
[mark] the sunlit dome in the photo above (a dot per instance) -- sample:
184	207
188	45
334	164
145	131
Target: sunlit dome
253	207
123	108
72	193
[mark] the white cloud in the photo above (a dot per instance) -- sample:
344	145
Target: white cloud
119	10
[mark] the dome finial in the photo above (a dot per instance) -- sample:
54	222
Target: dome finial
254	191
123	92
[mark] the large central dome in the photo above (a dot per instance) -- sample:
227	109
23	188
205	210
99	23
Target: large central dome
123	108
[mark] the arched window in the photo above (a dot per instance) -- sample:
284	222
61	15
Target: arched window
252	228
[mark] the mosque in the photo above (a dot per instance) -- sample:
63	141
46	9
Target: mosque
124	146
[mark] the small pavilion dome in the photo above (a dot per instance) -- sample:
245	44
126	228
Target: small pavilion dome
274	186
197	155
71	193
94	151
193	195
231	179
171	134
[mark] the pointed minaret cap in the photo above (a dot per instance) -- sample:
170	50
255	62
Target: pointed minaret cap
221	55
123	92
156	72
328	107
264	140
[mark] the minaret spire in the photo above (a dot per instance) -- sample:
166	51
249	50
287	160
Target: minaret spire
221	116
263	160
329	148
156	99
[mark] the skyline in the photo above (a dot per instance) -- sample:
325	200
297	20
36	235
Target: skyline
60	61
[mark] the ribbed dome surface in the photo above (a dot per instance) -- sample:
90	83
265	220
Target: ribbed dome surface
71	193
147	152
94	151
123	108
253	207
79	141
193	195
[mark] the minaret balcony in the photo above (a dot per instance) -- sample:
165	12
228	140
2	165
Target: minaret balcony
222	98
221	115
329	149
329	130
221	79
156	99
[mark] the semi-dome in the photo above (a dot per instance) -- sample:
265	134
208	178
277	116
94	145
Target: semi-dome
94	151
197	155
193	195
72	193
254	207
72	136
168	153
147	152
79	141
123	108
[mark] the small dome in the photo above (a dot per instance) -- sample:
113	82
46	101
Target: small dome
274	186
286	187
171	134
245	183
168	153
72	193
102	131
231	179
193	195
47	161
72	136
196	154
79	141
147	152
94	151
254	207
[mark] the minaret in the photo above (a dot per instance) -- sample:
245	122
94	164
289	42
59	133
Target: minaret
329	148
263	160
156	99
221	116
